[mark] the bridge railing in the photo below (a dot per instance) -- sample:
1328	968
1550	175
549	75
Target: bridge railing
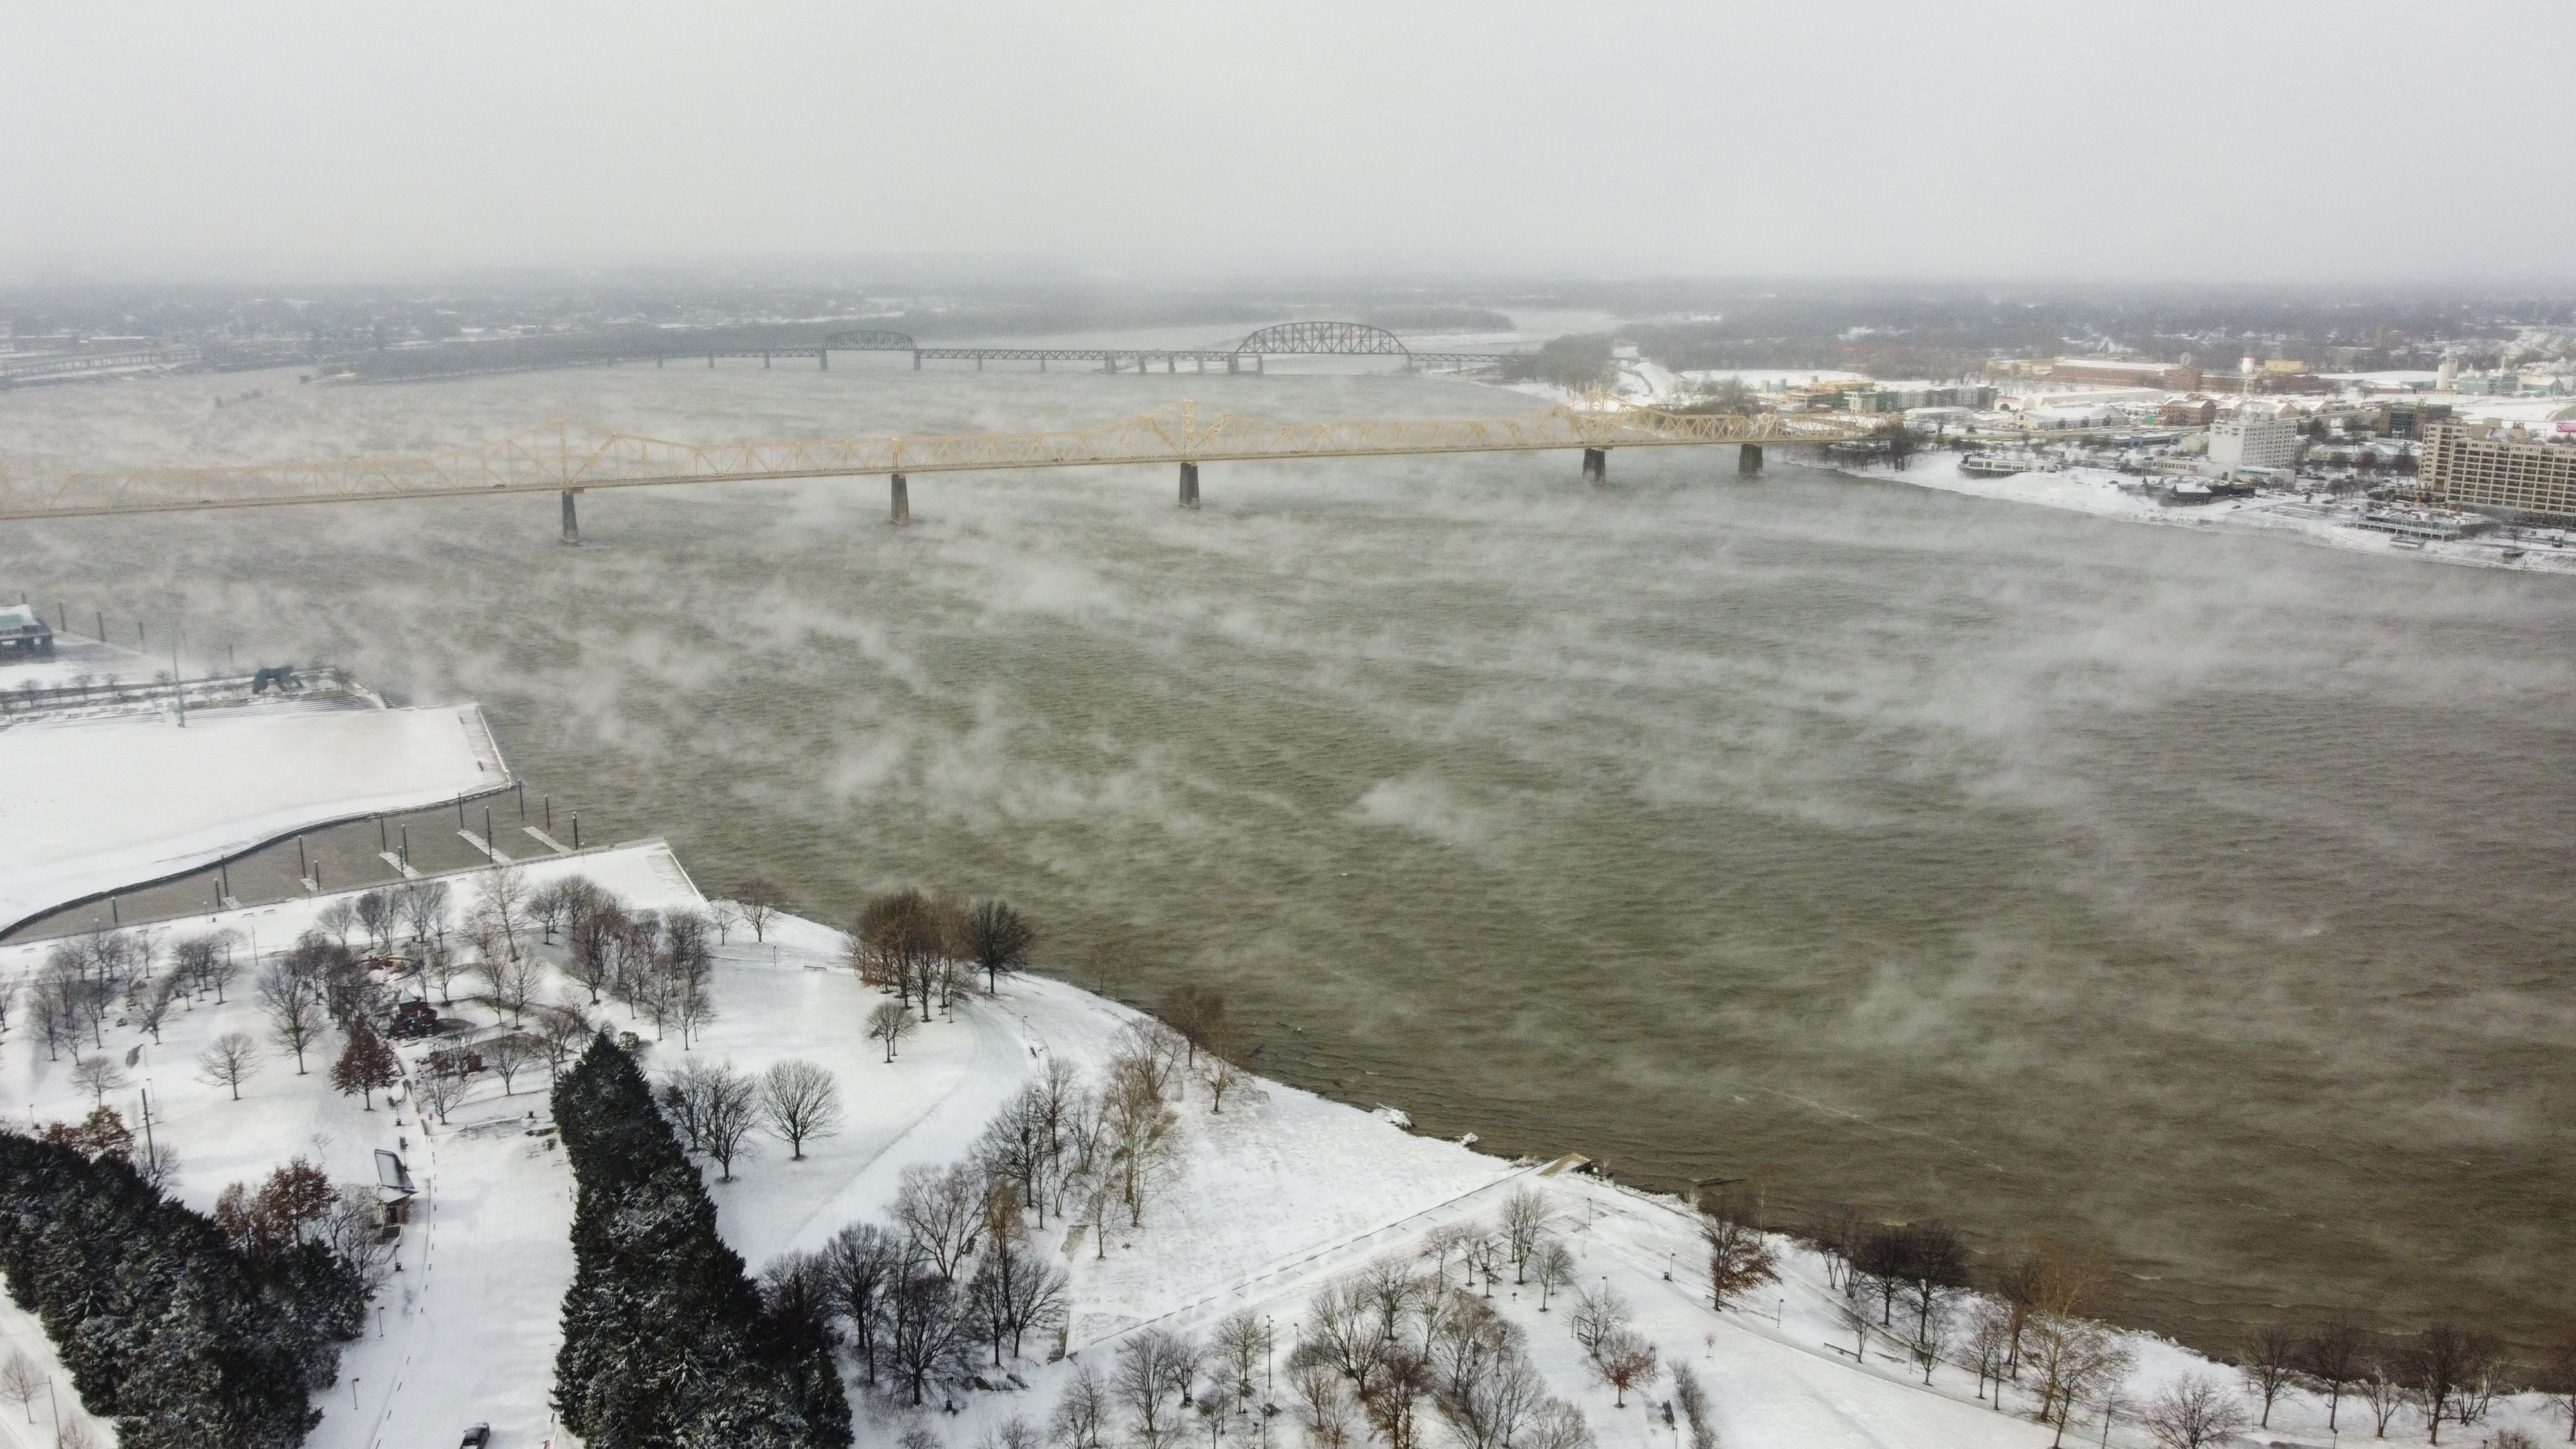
568	456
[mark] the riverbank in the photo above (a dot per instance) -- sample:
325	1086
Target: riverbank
2104	493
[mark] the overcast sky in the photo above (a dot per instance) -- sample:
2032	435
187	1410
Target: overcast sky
1988	140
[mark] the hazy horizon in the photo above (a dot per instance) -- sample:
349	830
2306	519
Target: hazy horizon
2176	143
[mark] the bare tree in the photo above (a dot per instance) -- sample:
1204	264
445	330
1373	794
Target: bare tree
2076	1358
799	1102
438	1091
2558	1377
1326	1409
229	1061
997	940
890	1023
861	1264
511	1053
339	918
564	1032
1241	1343
293	1005
759	901
1553	1270
516	981
423	905
924	1329
1222	1075
442	968
1137	1133
940	1211
2331	1357
1525	1219
2194	1412
505	897
727	1108
724	916
2383	1388
99	1076
1154	1369
2270	1358
1197	1013
1599	1314
21	1381
1081	1417
378	916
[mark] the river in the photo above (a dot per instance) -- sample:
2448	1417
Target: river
2202	897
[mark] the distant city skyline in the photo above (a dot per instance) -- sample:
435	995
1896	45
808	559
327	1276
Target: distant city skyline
2183	142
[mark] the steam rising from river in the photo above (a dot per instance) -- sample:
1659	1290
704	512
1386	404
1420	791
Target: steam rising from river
2204	896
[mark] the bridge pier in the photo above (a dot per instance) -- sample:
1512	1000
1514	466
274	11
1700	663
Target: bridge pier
1596	467
979	364
764	362
1230	368
1109	362
916	359
1748	458
1171	364
823	355
711	362
571	519
1189	485
902	500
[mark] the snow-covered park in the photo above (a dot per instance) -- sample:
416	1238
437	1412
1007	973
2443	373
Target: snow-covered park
1266	1203
98	803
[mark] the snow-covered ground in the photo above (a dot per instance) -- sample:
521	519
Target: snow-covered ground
95	804
2099	491
1279	1194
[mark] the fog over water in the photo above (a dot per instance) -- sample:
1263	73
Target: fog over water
2205	897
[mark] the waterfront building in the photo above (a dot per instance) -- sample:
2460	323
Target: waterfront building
2494	469
2243	442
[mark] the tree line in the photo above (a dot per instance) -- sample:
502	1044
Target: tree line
186	1334
666	1342
2029	1319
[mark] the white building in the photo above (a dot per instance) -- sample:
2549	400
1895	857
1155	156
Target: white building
2253	443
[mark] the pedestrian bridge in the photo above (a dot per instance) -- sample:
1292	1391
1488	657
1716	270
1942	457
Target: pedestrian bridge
569	458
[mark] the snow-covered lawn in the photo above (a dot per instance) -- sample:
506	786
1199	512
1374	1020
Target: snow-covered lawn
97	804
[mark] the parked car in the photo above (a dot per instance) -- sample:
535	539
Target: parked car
477	1437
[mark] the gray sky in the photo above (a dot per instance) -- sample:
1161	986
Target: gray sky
1993	140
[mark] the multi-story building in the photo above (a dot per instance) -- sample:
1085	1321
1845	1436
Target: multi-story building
2196	412
2497	469
2253	443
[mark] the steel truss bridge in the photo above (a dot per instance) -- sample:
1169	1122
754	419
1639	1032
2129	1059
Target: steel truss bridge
567	458
1288	339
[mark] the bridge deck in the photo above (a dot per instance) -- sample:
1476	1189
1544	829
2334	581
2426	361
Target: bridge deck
563	456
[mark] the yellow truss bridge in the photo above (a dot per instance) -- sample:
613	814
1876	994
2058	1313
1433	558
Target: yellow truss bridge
569	458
